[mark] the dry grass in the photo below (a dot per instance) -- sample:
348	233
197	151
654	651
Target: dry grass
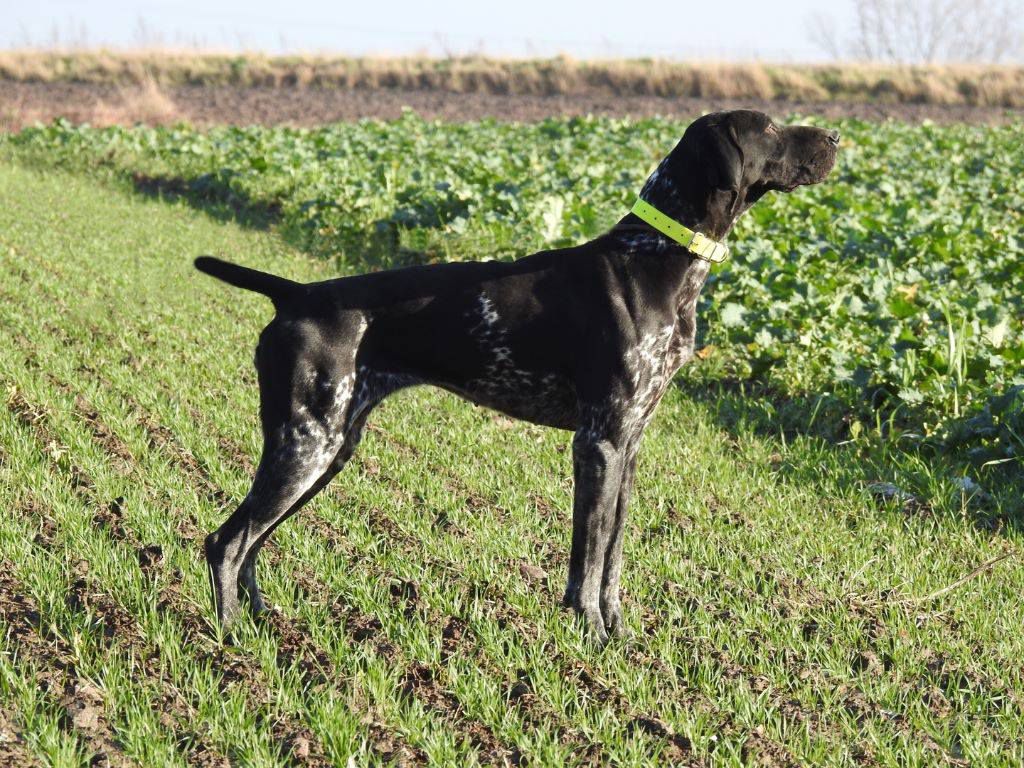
987	86
145	101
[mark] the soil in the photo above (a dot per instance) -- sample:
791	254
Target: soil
22	103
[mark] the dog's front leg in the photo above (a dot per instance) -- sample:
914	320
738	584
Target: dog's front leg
597	470
611	607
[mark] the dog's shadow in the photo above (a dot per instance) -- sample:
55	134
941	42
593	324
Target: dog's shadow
894	467
214	195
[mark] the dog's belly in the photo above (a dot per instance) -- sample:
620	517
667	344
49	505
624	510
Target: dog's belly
548	399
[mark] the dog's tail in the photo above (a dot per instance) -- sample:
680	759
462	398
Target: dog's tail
277	288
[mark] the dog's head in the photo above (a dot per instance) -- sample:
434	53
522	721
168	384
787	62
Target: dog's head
727	161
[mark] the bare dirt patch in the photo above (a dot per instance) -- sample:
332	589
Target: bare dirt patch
25	103
57	674
13	749
102	434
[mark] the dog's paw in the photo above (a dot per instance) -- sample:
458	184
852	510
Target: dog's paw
589	615
614	622
593	625
571	598
257	607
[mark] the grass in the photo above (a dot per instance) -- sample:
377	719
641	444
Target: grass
776	604
976	85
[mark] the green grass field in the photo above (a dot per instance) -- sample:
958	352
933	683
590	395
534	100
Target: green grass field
782	613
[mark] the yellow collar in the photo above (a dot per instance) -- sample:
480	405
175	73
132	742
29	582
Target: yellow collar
695	242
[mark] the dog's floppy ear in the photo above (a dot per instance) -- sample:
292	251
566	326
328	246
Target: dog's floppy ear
723	159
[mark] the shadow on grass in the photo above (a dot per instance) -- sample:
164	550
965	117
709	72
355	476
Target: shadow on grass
214	195
818	437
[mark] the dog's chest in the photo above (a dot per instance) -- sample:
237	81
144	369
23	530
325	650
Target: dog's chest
651	364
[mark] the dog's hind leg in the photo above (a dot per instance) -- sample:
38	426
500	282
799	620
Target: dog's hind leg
306	389
247	582
291	472
295	461
247	575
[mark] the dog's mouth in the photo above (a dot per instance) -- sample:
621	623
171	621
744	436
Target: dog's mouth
813	172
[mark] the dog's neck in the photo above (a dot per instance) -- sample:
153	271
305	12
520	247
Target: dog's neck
679	190
680	193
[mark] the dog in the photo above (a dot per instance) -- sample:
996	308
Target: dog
584	339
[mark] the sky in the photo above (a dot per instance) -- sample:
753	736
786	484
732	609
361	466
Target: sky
705	30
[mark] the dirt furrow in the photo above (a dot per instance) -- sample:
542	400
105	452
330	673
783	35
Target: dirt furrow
119	629
14	750
35	419
110	622
164	441
418	680
113	622
81	702
116	628
297	650
422	681
871	660
102	435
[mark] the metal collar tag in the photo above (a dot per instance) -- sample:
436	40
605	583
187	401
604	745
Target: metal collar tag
695	242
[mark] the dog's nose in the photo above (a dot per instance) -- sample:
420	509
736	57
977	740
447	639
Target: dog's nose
833	137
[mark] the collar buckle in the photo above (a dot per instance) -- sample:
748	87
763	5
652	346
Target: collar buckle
711	250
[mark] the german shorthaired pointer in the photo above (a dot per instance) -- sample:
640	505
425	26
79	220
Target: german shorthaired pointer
585	339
